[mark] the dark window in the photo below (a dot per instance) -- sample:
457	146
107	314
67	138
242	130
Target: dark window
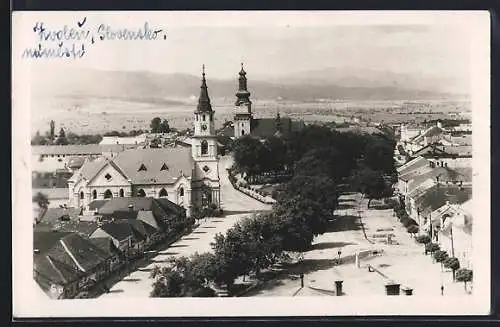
141	193
94	194
121	193
203	117
204	147
108	177
211	117
108	194
206	169
242	132
164	167
82	195
142	168
181	191
163	193
206	198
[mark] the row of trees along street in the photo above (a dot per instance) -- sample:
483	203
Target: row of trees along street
320	160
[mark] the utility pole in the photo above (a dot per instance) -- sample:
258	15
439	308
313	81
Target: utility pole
451	236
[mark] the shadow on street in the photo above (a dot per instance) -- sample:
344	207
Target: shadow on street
329	245
344	223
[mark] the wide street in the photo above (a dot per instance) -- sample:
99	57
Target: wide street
402	262
235	204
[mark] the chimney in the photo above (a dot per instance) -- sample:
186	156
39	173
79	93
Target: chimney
130	207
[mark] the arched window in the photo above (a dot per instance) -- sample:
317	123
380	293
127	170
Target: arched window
141	193
181	191
163	193
108	194
121	193
206	197
203	117
94	194
204	147
82	196
242	125
242	132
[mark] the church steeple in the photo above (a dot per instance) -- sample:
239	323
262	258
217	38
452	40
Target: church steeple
204	100
243	96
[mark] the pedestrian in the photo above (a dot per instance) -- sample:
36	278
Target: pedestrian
442	289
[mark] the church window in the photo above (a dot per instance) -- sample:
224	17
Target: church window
204	147
164	167
82	196
242	125
141	193
94	194
121	193
181	191
242	132
206	169
211	117
108	194
108	177
203	117
142	168
163	193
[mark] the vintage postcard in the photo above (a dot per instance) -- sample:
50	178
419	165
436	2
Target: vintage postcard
251	163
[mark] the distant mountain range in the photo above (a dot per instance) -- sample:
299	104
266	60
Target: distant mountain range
330	83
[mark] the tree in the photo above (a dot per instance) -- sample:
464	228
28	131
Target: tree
249	155
52	134
41	199
39	139
440	255
62	140
371	183
424	239
464	275
164	127
412	229
316	188
155	125
453	264
379	154
431	247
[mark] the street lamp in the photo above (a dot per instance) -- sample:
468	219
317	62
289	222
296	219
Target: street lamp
339	253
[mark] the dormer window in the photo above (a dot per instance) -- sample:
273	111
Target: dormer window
142	168
164	167
108	177
206	169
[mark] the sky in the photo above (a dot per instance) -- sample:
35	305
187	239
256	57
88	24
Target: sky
269	45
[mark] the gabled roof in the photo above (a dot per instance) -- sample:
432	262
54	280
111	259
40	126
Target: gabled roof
121	230
178	161
430	132
55	271
437	196
84	253
44	241
413	164
105	244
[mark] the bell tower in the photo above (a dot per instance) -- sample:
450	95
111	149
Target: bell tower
243	107
205	178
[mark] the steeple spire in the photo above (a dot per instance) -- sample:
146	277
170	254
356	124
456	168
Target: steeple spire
243	96
204	100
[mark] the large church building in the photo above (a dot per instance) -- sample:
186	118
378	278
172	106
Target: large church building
187	177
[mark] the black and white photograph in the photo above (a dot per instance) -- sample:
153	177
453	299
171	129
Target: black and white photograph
250	163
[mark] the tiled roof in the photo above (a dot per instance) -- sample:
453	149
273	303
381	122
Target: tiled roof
44	241
445	175
54	270
461	150
144	229
86	254
105	244
121	230
89	169
437	196
414	164
122	204
266	127
178	161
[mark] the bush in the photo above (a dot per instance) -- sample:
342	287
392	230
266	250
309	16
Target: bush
409	222
412	229
464	275
431	247
440	255
424	239
453	264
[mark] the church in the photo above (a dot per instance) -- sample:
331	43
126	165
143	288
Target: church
244	122
186	176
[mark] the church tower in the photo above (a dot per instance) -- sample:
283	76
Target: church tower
205	177
243	109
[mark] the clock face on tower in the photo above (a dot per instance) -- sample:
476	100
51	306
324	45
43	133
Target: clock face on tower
204	127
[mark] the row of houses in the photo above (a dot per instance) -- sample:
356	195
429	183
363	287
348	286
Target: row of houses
76	250
439	198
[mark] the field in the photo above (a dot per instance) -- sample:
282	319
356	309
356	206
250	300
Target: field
98	115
